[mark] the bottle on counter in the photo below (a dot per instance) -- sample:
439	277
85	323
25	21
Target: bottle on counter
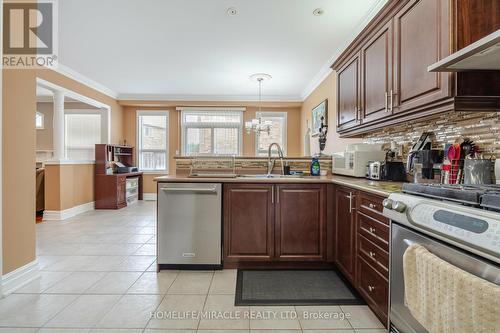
315	167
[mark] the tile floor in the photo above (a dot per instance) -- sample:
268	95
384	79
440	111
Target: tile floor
98	275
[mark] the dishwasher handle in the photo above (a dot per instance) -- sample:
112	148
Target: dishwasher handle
190	189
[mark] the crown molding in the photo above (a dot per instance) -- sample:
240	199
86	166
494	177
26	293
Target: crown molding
207	98
326	68
78	77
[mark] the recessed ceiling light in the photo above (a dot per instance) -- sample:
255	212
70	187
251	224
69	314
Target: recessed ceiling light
232	11
318	12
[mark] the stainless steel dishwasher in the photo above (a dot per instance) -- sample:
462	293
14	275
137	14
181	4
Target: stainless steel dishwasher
189	225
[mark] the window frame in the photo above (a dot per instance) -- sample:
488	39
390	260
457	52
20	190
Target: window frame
42	115
273	114
138	150
212	126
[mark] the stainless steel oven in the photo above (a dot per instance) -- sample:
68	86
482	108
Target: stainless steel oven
402	237
464	236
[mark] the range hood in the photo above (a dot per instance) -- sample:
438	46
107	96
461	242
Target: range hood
481	55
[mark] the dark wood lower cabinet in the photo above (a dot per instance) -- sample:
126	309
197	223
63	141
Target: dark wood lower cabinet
362	245
345	231
374	287
275	223
248	222
300	222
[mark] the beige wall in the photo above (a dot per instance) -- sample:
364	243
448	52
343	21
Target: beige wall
326	90
129	128
19	105
44	137
68	185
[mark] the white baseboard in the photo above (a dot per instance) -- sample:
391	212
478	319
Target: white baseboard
19	277
58	215
149	196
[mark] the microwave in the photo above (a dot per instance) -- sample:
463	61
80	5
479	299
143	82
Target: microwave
353	161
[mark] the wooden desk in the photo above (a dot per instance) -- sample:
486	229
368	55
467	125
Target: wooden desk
110	190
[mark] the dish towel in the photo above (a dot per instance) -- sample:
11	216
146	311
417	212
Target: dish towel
443	298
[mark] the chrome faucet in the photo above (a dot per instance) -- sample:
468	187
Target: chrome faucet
270	163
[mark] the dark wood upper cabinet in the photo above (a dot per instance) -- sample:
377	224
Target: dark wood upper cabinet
348	82
376	75
393	53
248	222
345	232
421	38
301	222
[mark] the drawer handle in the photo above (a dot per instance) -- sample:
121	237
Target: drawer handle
371	288
372	230
372	254
372	206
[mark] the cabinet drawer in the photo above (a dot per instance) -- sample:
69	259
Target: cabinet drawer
376	256
371	205
375	289
374	230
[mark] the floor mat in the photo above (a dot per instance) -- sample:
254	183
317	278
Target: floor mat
294	287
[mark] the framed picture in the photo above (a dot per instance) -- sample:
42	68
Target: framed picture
318	114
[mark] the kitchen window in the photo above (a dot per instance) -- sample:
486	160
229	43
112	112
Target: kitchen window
152	141
276	134
211	132
82	131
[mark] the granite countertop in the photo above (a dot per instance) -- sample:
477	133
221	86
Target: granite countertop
382	188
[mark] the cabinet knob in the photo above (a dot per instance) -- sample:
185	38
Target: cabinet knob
371	288
372	230
372	206
372	254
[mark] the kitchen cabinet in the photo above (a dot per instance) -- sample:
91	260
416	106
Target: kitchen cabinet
345	232
383	77
348	81
362	246
248	213
421	38
275	223
376	78
300	222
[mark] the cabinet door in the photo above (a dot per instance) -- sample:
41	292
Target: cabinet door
121	190
348	94
421	31
376	75
248	222
345	231
301	222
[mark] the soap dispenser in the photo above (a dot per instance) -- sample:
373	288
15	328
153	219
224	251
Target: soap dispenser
315	167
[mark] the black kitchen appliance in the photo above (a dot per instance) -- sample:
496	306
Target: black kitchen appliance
424	163
386	170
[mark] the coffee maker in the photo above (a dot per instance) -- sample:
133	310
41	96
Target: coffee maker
424	163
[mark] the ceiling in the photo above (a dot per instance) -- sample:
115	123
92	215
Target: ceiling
192	49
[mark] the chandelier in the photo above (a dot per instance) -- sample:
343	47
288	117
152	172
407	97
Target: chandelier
257	125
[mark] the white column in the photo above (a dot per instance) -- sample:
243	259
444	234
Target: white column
58	133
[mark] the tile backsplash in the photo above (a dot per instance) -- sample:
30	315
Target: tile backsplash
481	127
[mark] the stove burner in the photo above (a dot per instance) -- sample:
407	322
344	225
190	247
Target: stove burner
481	196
